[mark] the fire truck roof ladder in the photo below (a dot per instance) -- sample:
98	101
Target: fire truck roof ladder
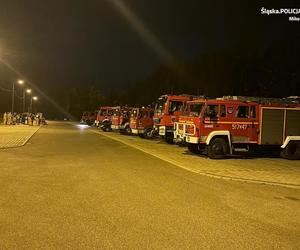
263	100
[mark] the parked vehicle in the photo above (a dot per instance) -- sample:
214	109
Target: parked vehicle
141	122
121	119
89	117
168	108
223	126
103	116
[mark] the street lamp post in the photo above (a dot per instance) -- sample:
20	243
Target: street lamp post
28	91
32	98
13	95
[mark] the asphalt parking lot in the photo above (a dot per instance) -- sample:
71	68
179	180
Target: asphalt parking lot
71	188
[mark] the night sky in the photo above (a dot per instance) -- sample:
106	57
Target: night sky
61	44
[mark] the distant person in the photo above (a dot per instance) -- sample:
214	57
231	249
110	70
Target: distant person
9	118
5	119
32	119
14	119
29	120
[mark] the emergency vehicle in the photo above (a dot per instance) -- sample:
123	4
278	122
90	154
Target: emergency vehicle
103	116
89	117
222	126
167	110
141	122
121	119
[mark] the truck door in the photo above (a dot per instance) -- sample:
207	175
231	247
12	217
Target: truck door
211	117
244	129
254	126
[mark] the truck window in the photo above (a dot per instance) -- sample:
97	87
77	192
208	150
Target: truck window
160	106
211	111
175	106
146	114
242	112
222	111
195	109
116	112
253	112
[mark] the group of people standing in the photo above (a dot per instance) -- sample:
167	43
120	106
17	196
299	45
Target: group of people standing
22	118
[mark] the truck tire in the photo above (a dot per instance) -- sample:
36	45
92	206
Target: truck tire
292	151
217	148
106	127
169	137
126	130
148	134
193	148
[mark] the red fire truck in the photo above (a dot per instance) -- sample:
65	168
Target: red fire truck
121	119
223	126
168	108
88	117
141	122
103	116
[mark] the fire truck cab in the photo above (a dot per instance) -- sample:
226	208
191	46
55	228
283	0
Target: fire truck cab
141	122
121	119
88	117
225	125
167	110
103	116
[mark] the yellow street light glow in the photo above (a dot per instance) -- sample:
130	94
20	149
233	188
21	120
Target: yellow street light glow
34	98
20	82
28	91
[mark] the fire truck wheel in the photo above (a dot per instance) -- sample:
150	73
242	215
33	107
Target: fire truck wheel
169	138
128	130
217	148
148	133
292	151
106	127
193	148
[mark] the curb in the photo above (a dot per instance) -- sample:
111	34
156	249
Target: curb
175	163
25	141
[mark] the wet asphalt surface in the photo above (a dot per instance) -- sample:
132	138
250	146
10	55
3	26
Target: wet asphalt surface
70	188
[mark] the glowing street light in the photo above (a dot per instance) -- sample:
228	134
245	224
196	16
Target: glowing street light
35	98
28	91
20	82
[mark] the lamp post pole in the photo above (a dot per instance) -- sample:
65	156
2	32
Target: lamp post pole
24	100
13	99
32	98
20	82
31	105
28	91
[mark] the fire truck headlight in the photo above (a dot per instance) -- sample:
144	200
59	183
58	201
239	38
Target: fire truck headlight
82	126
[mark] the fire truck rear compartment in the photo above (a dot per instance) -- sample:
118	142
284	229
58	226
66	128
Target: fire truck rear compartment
292	122
276	125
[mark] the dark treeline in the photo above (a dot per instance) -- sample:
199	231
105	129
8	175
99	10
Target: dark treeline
269	72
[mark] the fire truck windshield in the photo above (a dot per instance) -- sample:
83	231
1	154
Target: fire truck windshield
194	110
116	112
160	106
